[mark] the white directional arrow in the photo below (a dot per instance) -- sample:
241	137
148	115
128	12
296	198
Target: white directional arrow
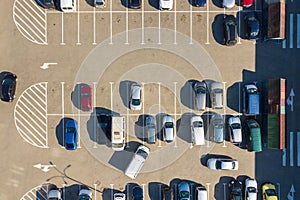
46	65
44	168
291	193
290	99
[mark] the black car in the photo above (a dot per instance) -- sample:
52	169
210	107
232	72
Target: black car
137	193
135	4
8	86
235	188
199	3
230	30
48	4
167	193
252	23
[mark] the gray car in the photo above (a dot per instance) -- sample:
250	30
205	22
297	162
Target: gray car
151	129
217	95
200	95
218	123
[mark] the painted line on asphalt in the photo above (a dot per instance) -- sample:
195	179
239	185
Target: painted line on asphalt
126	23
239	38
224	190
78	117
154	11
159	111
291	29
175	23
278	189
175	132
284	43
143	25
191	24
207	23
159	27
62	29
94	27
78	26
298	31
111	96
95	193
110	19
291	149
283	157
298	149
63	108
95	116
127	116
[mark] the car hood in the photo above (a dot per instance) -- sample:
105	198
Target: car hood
218	134
228	3
200	101
54	194
237	134
252	196
69	137
169	134
166	4
199	136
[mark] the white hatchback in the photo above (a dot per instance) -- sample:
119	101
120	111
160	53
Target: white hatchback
222	164
197	130
135	97
235	129
168	128
165	4
250	189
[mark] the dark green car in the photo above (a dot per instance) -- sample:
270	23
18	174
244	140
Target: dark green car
253	136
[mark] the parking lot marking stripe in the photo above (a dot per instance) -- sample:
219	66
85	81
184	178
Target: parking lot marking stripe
36	109
41	92
110	25
284	43
27	139
207	189
159	27
298	149
175	132
111	96
33	113
37	7
154	11
29	27
95	193
36	102
127	115
239	38
291	29
45	116
62	29
78	119
298	31
278	189
239	96
175	22
28	34
291	149
207	23
37	96
143	97
143	26
159	111
95	115
126	23
284	157
191	24
78	26
39	15
143	186
94	27
224	190
63	108
43	85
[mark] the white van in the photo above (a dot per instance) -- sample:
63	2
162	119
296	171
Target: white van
137	161
201	193
118	133
68	5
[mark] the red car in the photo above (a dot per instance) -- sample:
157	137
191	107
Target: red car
247	3
86	98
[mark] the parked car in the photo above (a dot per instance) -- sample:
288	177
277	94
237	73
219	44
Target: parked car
86	98
217	95
251	99
199	3
269	192
165	4
197	130
85	194
201	193
228	3
253	136
218	124
135	4
235	188
200	95
8	86
222	164
151	129
235	129
247	3
100	3
137	161
71	135
167	193
119	196
135	97
252	23
250	189
168	128
184	192
48	4
54	194
118	133
230	30
137	193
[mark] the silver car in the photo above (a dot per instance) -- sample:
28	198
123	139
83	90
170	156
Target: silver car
99	3
200	95
218	123
217	95
135	97
151	129
168	128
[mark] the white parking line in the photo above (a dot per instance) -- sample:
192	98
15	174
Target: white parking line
291	29
94	27
78	26
63	109
143	26
207	23
95	116
159	111
224	111
239	38
284	43
127	117
191	24
207	189
78	117
126	31
175	23
298	149
291	149
284	157
62	29
159	27
224	189
239	97
298	31
175	132
278	189
95	193
111	26
111	96
112	190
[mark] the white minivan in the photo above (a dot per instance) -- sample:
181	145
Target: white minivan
118	133
201	193
68	5
137	161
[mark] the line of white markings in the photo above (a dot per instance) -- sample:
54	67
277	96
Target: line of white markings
291	29
291	149
298	30
154	11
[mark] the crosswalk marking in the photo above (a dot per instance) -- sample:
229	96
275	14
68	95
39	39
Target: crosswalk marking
291	32
291	152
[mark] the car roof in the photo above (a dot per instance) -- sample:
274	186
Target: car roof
136	90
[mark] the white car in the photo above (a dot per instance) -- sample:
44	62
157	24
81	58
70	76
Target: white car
85	194
228	3
235	129
119	196
100	3
135	97
54	194
222	164
250	189
197	130
168	128
165	4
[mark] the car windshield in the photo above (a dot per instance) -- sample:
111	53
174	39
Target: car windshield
69	145
53	198
99	3
135	102
271	192
151	126
233	165
236	126
218	123
142	153
85	94
252	91
169	125
253	125
200	90
251	189
230	23
84	197
70	129
254	33
218	90
135	2
237	192
184	194
7	82
197	124
218	164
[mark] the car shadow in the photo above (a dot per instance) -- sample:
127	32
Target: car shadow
218	3
218	30
208	83
125	3
187	96
121	159
159	123
154	4
221	188
90	2
124	91
234	96
155	190
183	127
139	127
57	5
242	27
75	95
60	130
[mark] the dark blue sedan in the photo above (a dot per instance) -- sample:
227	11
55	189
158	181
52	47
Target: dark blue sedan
137	193
8	86
71	135
252	23
199	3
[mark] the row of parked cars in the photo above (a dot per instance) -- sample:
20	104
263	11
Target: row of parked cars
56	194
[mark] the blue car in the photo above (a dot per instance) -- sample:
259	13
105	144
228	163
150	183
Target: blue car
184	191
137	193
199	3
71	135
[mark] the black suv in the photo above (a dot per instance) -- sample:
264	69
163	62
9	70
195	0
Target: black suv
230	30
